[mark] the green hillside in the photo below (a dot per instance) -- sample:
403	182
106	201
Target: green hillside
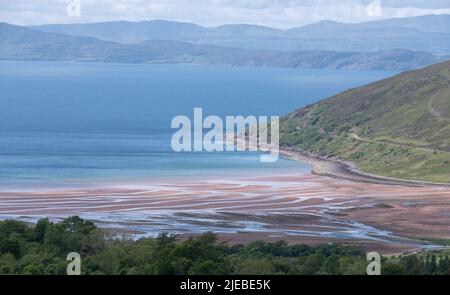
398	127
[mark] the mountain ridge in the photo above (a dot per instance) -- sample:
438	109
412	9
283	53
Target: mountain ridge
22	43
429	33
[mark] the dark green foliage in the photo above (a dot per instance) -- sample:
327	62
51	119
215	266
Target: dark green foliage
42	249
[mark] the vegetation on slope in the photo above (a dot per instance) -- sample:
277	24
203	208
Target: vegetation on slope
42	249
398	127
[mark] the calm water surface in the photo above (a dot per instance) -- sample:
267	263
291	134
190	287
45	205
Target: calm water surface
63	122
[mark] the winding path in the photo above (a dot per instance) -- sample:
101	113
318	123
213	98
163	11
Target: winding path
394	144
432	110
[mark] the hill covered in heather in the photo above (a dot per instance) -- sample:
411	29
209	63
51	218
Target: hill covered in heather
397	127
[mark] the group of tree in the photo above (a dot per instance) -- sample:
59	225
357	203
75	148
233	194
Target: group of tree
41	249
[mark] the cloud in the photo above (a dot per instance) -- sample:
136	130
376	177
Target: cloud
277	13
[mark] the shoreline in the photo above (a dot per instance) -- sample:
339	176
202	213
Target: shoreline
341	169
299	208
338	168
328	203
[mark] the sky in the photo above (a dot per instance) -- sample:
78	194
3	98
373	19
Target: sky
275	13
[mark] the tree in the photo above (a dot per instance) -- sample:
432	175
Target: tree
11	246
39	231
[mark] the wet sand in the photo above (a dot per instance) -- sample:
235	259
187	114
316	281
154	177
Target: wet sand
303	208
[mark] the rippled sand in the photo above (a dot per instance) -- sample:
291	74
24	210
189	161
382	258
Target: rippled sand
303	208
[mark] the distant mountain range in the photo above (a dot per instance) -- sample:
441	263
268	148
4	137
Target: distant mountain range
429	33
22	43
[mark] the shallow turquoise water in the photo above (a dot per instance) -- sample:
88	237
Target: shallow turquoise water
62	121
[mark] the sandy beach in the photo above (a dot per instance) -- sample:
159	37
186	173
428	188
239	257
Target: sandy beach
305	208
334	203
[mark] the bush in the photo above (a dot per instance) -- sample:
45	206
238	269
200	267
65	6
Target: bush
42	249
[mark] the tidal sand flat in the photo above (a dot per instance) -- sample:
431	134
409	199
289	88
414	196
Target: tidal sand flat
293	207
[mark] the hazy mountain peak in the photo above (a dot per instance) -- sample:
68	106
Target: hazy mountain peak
429	33
21	43
162	22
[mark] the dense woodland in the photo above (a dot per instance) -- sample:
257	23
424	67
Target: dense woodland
42	248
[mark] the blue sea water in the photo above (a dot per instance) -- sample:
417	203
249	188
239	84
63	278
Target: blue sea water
65	122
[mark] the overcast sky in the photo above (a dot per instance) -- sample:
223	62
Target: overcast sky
275	13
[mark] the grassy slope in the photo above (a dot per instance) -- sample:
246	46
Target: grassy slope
397	127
